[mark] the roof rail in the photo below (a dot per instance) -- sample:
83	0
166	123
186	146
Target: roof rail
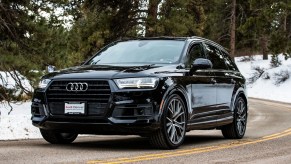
198	37
201	38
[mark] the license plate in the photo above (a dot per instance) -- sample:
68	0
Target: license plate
74	108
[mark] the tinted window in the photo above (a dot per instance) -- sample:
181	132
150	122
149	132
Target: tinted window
215	56
229	62
196	51
140	51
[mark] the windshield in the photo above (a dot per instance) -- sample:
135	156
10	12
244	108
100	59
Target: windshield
140	51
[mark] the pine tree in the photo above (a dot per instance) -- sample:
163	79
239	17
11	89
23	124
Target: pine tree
264	22
181	18
28	41
232	28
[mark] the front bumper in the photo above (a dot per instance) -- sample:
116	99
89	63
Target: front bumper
130	112
110	126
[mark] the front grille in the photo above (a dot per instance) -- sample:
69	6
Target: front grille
96	96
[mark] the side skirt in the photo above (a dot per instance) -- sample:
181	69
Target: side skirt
209	124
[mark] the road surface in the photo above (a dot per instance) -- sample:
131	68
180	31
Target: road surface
267	140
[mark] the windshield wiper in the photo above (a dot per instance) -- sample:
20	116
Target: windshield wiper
143	67
94	63
148	65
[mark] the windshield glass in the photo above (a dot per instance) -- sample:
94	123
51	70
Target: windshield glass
140	51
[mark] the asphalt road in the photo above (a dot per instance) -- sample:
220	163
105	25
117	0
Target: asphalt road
267	140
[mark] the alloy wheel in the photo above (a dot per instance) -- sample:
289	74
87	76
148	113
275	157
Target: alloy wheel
175	121
241	116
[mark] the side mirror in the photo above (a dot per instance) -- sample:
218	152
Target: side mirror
51	68
200	63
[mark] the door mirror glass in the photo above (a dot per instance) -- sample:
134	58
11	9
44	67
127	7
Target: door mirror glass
201	63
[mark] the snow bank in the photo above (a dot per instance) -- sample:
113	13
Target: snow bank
267	88
17	125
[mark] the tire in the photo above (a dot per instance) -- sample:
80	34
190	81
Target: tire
237	129
173	125
58	138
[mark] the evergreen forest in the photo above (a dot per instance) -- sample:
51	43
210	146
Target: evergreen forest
64	33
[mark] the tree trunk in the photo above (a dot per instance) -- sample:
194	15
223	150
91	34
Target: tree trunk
232	29
264	46
285	30
152	17
285	23
288	25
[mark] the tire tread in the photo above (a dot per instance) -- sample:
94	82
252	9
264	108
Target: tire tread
157	140
55	138
229	131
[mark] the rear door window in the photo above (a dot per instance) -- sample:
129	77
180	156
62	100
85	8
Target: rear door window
215	56
229	62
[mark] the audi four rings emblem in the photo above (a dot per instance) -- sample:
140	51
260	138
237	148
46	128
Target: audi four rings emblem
77	87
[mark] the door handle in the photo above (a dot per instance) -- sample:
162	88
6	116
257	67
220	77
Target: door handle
213	81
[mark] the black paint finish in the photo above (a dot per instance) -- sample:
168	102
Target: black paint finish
208	94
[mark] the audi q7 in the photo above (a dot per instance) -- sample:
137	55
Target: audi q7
160	88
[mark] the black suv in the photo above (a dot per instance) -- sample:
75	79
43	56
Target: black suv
160	88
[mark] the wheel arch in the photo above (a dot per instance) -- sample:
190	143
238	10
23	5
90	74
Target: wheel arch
179	90
239	93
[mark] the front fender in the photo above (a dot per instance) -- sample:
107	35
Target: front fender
177	89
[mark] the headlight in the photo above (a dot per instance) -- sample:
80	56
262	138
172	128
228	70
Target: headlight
145	83
43	83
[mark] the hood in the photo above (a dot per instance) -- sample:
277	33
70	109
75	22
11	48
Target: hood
111	72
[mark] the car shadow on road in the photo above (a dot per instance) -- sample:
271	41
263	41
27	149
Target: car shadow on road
131	143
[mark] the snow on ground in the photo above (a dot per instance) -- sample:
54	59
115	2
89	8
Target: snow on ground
17	125
263	87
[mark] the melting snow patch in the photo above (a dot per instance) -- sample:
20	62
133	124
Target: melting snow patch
17	125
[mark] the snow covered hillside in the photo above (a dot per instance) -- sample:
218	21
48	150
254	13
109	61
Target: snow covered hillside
263	82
